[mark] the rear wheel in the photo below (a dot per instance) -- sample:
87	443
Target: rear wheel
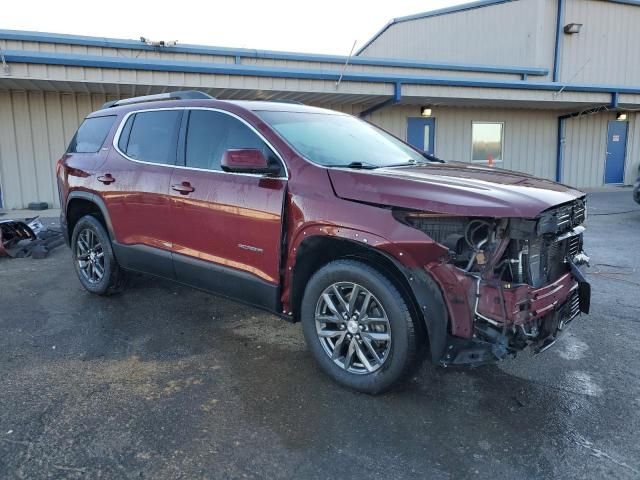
358	326
93	257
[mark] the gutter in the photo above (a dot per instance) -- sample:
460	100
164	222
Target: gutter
95	61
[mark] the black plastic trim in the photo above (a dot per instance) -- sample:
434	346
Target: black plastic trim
144	259
227	282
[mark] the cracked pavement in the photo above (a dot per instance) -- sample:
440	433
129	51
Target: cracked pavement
167	382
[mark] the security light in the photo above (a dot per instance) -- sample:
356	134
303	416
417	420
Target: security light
425	111
571	28
621	117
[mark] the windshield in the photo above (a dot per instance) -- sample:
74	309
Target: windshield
335	140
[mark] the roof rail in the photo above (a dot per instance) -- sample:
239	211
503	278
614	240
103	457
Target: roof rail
178	95
284	100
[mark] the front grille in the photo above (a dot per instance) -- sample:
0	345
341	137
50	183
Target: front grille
573	304
563	218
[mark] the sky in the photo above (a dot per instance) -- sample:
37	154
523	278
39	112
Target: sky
317	26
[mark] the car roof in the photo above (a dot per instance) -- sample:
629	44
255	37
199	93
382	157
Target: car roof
251	105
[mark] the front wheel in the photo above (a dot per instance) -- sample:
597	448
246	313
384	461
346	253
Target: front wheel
358	326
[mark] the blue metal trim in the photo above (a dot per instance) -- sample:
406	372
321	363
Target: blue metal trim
53	58
397	96
635	3
432	13
560	149
615	100
558	42
57	38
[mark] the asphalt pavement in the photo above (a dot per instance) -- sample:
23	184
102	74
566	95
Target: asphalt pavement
163	381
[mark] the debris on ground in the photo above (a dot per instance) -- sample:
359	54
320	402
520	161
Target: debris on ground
28	238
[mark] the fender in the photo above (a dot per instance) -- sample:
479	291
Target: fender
93	198
425	291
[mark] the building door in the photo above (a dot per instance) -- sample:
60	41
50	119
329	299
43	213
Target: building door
421	133
616	152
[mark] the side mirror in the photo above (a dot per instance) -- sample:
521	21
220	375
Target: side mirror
246	160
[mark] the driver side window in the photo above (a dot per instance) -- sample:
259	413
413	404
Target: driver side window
210	133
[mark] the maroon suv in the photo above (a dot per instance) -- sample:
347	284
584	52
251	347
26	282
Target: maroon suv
384	253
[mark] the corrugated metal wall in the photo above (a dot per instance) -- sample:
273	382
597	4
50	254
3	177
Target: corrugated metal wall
476	36
607	49
35	130
585	146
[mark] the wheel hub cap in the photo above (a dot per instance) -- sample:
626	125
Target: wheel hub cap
353	327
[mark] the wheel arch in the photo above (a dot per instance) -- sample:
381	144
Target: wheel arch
81	203
419	290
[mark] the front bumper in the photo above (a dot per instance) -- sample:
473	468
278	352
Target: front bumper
531	318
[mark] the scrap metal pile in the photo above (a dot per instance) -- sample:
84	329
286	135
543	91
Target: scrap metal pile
29	238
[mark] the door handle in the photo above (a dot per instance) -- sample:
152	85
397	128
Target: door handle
106	179
184	188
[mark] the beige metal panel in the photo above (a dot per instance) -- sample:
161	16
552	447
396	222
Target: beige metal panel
476	36
607	49
10	177
36	128
544	99
585	146
633	150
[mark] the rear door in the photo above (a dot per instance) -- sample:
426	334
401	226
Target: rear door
227	227
135	188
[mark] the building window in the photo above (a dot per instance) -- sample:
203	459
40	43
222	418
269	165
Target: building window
487	139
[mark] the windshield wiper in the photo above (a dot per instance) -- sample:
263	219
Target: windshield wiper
433	158
356	165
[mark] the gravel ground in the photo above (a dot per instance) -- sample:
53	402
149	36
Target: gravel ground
168	382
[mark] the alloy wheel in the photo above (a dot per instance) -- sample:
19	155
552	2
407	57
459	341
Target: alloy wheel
90	256
353	327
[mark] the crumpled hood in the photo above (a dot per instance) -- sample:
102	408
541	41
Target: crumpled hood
454	189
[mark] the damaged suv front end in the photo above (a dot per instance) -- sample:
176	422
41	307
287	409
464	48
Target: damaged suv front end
510	283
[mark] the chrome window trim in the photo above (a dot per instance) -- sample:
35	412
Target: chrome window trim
116	140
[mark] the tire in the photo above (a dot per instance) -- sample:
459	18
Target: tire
397	343
636	194
93	258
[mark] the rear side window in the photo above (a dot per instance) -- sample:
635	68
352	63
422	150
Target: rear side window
91	135
210	133
152	136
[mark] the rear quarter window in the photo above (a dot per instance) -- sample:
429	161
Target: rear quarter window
91	134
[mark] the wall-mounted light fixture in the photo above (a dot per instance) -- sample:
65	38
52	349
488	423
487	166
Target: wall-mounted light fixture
621	116
571	28
425	111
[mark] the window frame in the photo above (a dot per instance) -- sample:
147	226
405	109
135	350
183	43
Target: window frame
502	135
116	138
182	142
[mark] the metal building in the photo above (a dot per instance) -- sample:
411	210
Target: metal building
548	87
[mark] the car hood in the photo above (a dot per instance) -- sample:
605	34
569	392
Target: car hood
452	188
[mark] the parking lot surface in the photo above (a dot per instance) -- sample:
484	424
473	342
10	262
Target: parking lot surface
167	382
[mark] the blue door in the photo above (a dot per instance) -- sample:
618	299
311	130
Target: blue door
421	133
616	152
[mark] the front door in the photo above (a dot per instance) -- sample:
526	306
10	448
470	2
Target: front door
421	133
616	152
227	227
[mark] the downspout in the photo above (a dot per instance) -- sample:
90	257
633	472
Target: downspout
397	96
558	46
